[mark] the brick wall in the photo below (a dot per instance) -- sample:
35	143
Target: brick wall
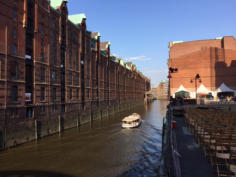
213	60
45	55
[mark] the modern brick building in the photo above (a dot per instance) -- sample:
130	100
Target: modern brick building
162	90
54	73
213	60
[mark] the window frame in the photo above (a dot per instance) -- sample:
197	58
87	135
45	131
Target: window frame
42	74
42	94
14	93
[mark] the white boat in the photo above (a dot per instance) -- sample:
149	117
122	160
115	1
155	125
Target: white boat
132	121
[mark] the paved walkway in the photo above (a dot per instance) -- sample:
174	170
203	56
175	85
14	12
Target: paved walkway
193	162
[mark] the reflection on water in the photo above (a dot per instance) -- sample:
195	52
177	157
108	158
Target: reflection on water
105	150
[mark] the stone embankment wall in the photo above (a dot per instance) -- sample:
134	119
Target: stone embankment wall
19	132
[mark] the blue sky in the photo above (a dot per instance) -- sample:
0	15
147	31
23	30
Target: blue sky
140	30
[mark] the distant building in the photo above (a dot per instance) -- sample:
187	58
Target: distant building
213	60
162	90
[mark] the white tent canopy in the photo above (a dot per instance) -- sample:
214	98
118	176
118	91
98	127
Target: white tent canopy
181	88
202	89
224	88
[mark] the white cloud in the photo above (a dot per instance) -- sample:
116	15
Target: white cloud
139	58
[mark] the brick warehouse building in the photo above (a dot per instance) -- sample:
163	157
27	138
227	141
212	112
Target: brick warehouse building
214	61
55	74
162	90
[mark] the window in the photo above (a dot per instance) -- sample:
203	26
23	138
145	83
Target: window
54	78
14	49
88	93
29	112
70	94
77	93
42	94
42	50
14	93
14	33
70	79
41	30
77	62
42	74
15	15
54	94
76	79
14	69
70	59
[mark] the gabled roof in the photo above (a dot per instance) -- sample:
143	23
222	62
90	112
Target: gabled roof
122	62
93	44
56	3
113	58
104	45
117	60
128	67
104	52
77	18
95	35
130	64
89	33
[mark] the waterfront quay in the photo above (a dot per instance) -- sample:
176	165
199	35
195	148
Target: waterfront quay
55	74
199	140
100	149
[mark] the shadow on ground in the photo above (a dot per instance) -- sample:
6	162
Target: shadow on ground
31	174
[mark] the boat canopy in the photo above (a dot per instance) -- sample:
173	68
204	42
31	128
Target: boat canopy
131	118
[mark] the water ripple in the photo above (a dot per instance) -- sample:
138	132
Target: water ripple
102	149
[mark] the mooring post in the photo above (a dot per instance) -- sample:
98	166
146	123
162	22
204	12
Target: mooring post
107	110
4	130
36	129
78	120
100	114
91	112
59	123
100	110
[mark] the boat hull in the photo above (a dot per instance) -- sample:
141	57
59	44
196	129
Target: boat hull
131	126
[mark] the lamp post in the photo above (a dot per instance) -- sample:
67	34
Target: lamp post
196	78
170	70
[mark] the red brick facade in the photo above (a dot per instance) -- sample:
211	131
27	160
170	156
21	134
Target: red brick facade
214	60
51	66
162	90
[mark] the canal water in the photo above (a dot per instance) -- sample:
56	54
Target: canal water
101	149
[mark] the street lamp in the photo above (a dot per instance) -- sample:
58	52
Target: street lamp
170	70
196	78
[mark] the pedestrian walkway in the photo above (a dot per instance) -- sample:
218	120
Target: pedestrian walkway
193	162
